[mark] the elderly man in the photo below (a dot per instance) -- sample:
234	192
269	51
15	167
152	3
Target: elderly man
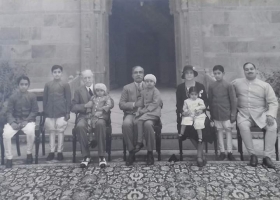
130	94
257	104
79	105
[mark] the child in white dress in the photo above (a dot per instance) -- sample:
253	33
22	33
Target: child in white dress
191	115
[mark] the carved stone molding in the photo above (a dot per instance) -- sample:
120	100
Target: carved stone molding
94	41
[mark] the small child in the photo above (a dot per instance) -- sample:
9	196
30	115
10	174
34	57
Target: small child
223	108
56	105
99	103
149	108
21	115
191	107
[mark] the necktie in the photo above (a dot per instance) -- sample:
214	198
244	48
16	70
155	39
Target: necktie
90	92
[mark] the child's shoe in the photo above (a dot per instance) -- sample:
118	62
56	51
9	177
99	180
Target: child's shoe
9	163
138	147
60	156
29	159
50	156
102	162
222	156
85	162
200	162
230	157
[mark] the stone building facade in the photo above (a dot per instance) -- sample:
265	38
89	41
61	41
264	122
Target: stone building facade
75	34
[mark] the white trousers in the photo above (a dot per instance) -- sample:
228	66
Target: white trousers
9	132
270	137
55	126
227	127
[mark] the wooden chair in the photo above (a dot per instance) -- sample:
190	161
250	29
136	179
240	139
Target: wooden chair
157	129
206	144
254	130
38	129
108	138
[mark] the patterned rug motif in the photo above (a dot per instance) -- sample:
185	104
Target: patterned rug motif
162	181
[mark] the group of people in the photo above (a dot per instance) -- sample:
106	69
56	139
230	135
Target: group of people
247	101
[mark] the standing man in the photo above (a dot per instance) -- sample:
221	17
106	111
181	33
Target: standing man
257	104
79	105
130	94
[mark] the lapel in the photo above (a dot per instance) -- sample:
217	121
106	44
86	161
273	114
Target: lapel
85	95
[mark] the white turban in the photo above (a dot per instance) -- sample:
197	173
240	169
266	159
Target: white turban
100	86
150	77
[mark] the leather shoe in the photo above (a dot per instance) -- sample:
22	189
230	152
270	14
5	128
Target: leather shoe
150	158
9	163
29	159
268	162
130	159
253	160
138	147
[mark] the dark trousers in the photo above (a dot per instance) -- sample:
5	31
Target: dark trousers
99	132
129	129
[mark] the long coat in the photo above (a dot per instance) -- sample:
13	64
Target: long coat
150	100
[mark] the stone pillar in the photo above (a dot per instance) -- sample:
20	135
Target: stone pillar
188	34
94	38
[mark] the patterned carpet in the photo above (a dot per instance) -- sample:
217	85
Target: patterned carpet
162	181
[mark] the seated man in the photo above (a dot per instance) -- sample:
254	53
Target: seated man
129	104
80	102
21	114
257	104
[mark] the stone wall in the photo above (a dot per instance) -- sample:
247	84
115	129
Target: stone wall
39	34
239	31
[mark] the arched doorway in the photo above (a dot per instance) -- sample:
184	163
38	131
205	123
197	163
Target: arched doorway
141	33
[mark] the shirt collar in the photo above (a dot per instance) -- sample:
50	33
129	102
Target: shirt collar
91	87
141	84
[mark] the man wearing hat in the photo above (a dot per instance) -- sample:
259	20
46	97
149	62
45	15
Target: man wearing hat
129	105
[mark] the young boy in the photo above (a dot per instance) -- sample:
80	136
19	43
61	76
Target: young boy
21	115
222	102
150	109
56	105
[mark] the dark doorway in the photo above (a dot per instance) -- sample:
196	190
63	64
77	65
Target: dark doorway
141	33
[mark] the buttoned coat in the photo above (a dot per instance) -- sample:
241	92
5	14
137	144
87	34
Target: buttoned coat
150	101
130	95
81	97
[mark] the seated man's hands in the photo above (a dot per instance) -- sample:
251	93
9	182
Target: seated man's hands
15	126
269	120
67	117
88	104
98	114
143	111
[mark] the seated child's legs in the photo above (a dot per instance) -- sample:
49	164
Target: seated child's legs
29	130
8	133
140	124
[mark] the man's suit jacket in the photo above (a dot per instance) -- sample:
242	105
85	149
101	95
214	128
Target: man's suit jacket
81	97
130	95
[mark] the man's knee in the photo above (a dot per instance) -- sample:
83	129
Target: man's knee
148	125
100	123
8	132
244	126
127	123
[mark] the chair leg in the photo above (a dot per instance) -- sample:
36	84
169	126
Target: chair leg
17	144
124	151
2	149
276	149
216	145
206	147
37	145
181	148
109	142
74	144
239	144
43	142
158	144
